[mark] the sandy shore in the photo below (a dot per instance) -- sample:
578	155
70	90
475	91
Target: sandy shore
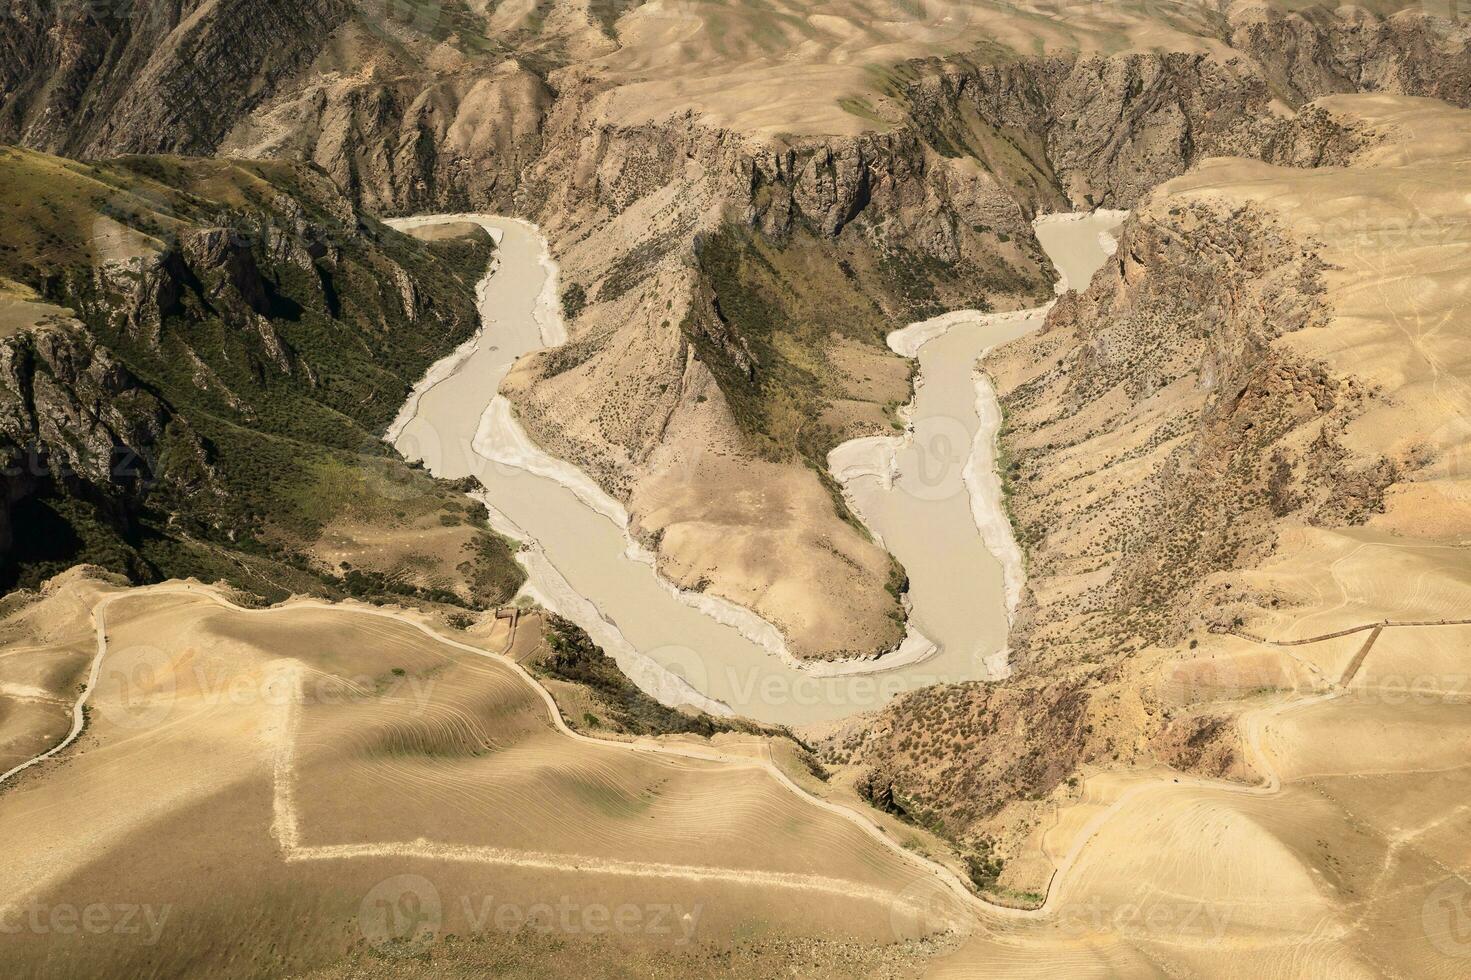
988	505
899	487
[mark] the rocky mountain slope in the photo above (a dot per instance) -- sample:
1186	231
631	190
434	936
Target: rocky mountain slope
86	79
196	359
699	169
1271	375
1250	427
947	192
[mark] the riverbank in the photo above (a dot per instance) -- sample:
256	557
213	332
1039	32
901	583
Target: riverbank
688	648
933	495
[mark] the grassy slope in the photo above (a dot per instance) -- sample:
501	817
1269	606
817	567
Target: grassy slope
290	450
784	302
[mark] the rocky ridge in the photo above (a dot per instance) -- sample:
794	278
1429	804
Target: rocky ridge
1220	396
210	342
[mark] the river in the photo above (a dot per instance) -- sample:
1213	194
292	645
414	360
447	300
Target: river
929	499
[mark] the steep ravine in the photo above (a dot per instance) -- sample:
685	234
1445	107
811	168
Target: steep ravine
703	383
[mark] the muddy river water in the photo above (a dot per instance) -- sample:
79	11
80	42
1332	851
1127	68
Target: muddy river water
931	496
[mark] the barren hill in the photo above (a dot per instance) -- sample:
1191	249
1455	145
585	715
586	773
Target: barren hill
1251	426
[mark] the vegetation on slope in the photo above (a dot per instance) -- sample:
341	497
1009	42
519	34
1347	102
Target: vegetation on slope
621	707
772	308
572	656
245	337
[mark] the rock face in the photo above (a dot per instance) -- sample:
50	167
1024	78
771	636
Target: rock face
1175	344
1312	53
401	108
185	346
77	418
406	139
950	192
1103	132
145	77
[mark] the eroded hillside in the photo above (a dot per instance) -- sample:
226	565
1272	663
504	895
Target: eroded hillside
196	363
698	167
1265	386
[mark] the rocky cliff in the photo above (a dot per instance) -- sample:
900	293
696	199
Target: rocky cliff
1186	440
196	359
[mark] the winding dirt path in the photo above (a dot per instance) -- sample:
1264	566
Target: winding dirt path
1253	725
1352	670
79	709
1381	625
284	825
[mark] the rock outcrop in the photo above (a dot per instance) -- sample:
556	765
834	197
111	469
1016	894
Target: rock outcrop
209	341
77	418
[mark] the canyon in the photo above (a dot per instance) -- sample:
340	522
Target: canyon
1023	445
686	648
921	177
